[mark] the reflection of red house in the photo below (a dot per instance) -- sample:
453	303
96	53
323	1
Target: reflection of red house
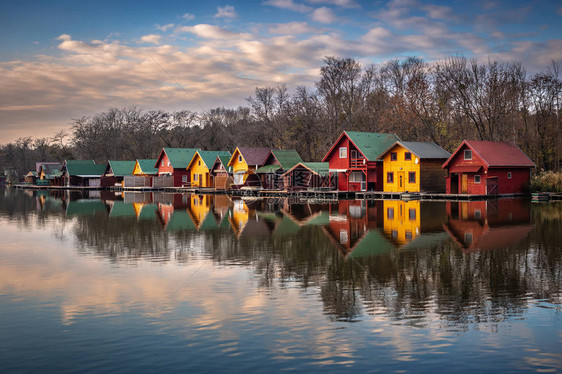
483	225
354	158
485	167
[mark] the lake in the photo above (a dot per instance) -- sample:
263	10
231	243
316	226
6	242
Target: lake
157	282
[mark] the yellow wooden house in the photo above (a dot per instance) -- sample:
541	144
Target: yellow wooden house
201	165
244	162
414	167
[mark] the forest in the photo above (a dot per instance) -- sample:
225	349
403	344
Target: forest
444	102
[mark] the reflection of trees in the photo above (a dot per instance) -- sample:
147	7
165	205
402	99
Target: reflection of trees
409	285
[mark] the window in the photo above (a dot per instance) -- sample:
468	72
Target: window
477	213
393	156
407	156
412	177
199	163
195	177
390	213
184	178
356	176
394	234
408	235
343	152
390	177
509	175
412	214
468	154
239	158
477	179
343	237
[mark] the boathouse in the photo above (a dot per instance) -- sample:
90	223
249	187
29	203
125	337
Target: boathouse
82	173
172	167
354	159
244	162
486	168
278	162
143	172
307	176
47	173
222	173
116	171
414	167
200	168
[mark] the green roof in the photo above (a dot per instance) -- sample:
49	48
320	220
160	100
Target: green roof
322	219
122	168
286	227
180	221
84	168
224	161
180	157
147	166
121	209
321	168
287	158
148	212
267	169
85	207
372	144
372	244
427	240
209	222
209	157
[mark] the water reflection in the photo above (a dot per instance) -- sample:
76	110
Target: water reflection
446	267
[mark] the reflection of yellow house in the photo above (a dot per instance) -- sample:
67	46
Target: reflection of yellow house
401	220
239	216
200	166
199	207
414	167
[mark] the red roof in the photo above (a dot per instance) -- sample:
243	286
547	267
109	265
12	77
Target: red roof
496	153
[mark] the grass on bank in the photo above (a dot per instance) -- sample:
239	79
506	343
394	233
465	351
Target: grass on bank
547	181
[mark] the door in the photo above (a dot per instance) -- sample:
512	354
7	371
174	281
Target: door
401	181
363	182
464	183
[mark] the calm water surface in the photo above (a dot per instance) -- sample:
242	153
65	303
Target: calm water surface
177	283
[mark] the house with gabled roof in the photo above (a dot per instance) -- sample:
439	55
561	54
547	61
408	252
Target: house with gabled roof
244	162
172	163
47	172
200	167
82	173
142	175
308	176
278	161
354	160
116	171
221	173
414	167
487	168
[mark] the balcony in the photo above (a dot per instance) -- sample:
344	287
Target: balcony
358	163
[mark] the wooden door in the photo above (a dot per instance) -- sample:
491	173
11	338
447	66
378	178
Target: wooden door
464	183
401	181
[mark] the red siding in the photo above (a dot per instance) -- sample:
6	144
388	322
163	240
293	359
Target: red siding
163	165
517	184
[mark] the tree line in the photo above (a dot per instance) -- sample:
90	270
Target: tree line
444	102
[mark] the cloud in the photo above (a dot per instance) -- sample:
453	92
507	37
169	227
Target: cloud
211	32
164	27
291	28
324	15
290	5
151	38
188	16
226	11
340	3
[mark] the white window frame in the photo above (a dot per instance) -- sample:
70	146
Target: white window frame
184	178
470	152
356	177
344	237
195	177
479	179
509	175
343	152
239	158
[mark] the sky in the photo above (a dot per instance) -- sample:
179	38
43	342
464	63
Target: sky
61	60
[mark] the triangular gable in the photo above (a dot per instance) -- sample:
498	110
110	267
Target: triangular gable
432	150
369	144
464	142
235	154
179	157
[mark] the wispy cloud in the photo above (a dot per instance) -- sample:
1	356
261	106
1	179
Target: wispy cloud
290	5
151	38
292	28
188	16
340	3
226	11
324	15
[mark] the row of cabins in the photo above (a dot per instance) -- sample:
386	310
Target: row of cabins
357	161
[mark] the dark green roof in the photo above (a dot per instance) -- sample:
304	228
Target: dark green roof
121	209
321	168
180	221
286	227
287	158
85	207
148	212
84	168
372	244
426	240
122	168
180	157
147	166
267	169
209	222
321	219
372	144
209	157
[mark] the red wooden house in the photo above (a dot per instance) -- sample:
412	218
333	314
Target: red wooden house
173	162
486	168
354	159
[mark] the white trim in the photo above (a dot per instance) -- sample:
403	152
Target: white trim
337	170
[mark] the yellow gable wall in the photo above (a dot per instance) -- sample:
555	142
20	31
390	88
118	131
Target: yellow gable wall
198	167
137	170
401	220
400	167
237	165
